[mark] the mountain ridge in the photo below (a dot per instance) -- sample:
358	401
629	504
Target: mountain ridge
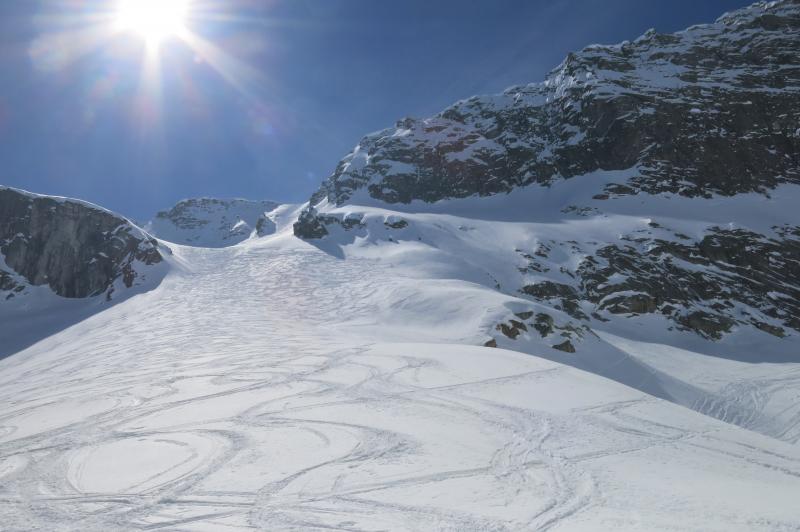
645	103
213	222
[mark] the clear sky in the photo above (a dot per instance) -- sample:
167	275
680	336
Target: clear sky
267	95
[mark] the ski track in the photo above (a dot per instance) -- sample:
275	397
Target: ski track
743	403
250	393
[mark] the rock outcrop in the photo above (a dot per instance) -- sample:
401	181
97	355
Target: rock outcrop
75	248
727	278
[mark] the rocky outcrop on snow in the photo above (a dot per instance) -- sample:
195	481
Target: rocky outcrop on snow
9	286
75	248
727	278
703	115
714	109
209	222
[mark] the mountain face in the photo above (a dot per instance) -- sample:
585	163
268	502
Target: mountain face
75	248
709	110
682	145
209	222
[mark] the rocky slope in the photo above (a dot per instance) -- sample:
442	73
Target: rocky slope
75	248
680	144
208	222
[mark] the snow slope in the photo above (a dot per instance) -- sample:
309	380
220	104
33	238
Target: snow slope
494	245
277	386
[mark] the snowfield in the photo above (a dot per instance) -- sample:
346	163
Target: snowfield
273	385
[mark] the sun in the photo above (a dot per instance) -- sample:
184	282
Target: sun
153	20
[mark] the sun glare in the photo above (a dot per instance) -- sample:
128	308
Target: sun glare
153	20
71	31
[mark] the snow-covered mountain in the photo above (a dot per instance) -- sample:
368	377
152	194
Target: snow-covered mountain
675	159
709	110
210	222
439	349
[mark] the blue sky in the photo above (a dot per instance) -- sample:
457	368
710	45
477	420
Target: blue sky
287	88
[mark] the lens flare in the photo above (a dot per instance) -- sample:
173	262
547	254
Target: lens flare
75	32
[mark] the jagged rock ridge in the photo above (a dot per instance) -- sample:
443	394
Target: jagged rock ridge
210	222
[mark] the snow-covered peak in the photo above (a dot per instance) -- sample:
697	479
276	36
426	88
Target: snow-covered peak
213	223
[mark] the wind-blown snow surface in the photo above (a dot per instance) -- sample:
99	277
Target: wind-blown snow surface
272	385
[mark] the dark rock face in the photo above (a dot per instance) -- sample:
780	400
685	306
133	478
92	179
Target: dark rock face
78	250
545	326
398	224
265	226
564	296
726	278
310	226
714	109
512	329
9	287
565	346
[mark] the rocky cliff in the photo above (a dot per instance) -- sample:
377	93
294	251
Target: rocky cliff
75	248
